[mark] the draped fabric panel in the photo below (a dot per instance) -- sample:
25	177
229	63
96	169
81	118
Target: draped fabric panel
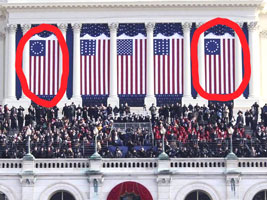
131	59
44	64
94	59
219	64
129	187
168	59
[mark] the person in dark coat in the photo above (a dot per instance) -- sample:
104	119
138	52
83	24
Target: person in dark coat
20	117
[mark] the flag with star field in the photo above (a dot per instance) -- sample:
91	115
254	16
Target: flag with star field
219	61
44	65
168	58
95	59
131	59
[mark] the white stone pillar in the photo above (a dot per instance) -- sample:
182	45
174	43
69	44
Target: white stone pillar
76	95
113	98
232	186
238	61
28	178
240	101
2	64
150	96
254	84
25	101
201	65
187	96
63	28
10	76
263	57
164	186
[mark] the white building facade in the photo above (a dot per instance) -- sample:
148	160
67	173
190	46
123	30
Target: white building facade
17	17
172	179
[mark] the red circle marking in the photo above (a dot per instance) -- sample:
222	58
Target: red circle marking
65	71
194	58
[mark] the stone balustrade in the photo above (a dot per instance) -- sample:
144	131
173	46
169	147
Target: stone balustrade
135	164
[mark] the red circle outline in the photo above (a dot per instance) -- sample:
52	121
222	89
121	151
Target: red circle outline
246	57
65	70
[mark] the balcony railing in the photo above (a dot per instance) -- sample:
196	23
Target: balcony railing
134	165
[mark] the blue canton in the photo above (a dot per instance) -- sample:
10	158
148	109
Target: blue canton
88	47
37	47
125	47
212	46
161	46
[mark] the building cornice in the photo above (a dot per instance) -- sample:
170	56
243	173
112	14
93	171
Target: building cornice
20	4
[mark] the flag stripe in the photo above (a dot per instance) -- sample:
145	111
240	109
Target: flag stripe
220	66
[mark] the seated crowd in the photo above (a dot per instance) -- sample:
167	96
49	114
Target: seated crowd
188	131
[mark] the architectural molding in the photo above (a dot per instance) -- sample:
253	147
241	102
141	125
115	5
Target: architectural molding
51	189
18	4
187	26
113	26
164	179
63	27
263	34
150	26
76	27
11	195
254	189
25	28
11	27
184	191
253	26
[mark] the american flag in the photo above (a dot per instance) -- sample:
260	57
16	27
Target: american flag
44	66
220	65
131	58
95	64
168	63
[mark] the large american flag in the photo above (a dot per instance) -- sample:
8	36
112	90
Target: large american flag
95	65
131	59
168	63
44	66
220	65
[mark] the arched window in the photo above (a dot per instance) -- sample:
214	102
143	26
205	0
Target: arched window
198	195
3	196
262	195
62	195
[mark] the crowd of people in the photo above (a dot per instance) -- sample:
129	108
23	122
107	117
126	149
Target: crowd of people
187	131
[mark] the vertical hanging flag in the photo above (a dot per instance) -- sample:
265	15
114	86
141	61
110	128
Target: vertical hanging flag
44	66
131	65
94	66
220	65
168	62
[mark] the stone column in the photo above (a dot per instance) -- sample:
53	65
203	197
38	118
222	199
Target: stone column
150	96
201	65
63	28
76	95
25	101
232	186
113	98
238	61
2	64
263	57
28	177
187	96
164	186
10	78
254	84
